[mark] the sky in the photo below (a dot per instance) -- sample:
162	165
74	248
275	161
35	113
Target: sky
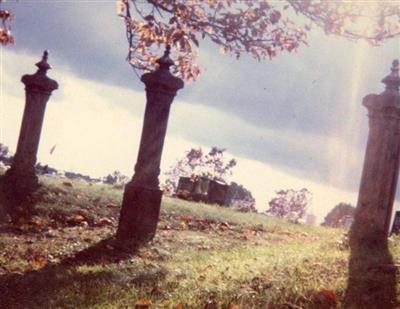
295	121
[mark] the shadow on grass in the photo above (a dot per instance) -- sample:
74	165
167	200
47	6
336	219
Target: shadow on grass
106	251
55	284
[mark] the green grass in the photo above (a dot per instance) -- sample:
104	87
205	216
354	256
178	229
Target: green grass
259	262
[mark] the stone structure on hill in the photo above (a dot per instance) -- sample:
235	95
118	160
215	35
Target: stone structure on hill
210	191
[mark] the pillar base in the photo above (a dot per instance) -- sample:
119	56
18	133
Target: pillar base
21	183
139	214
18	190
372	273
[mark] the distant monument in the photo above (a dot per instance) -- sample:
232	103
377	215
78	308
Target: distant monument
203	189
311	219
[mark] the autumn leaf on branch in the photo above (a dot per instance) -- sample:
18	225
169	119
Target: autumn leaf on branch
373	21
254	27
264	29
6	37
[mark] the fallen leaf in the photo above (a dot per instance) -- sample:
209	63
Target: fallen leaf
186	218
326	297
75	219
104	221
143	303
40	262
201	278
37	221
224	226
211	305
67	184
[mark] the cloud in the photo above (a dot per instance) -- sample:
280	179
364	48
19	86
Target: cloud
306	91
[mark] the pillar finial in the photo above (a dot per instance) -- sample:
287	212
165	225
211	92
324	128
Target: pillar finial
43	65
392	81
165	61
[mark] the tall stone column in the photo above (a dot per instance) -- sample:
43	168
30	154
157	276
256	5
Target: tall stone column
372	278
21	178
381	163
142	197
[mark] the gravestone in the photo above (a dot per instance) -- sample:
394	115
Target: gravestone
346	222
185	187
217	193
201	189
311	219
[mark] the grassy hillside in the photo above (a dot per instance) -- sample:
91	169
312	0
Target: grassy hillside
202	257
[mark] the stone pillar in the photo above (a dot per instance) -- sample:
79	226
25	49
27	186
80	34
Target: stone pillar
21	178
142	197
381	163
372	275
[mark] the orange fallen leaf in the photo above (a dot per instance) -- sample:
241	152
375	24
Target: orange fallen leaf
325	297
144	254
37	221
224	226
40	262
265	277
186	218
179	306
76	218
143	303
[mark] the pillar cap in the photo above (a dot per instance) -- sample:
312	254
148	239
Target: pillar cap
43	65
165	61
389	100
161	79
392	81
40	82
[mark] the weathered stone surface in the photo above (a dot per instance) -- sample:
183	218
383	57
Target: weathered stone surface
369	231
381	163
217	193
185	187
396	223
142	196
201	189
139	214
20	179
